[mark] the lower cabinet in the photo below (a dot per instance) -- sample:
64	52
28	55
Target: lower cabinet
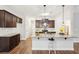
8	43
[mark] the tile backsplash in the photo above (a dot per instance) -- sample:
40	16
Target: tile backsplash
5	31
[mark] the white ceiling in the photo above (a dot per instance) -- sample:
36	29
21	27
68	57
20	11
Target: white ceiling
36	10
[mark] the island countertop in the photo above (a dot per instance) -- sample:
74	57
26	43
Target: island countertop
8	35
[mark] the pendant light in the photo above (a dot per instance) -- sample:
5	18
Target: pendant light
63	14
44	12
62	28
45	25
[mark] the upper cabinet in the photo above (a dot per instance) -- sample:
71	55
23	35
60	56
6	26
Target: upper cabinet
2	19
19	20
7	19
14	21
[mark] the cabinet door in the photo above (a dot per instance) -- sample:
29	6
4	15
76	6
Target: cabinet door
17	39
19	20
2	18
14	21
4	44
8	20
12	42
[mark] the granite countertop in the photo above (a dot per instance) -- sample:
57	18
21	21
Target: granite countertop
58	36
8	35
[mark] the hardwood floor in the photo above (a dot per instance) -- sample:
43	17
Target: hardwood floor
25	47
65	52
40	52
52	52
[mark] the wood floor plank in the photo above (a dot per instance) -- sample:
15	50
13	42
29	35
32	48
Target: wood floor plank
64	52
52	52
25	47
40	51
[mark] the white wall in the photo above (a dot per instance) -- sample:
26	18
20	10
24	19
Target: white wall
68	16
75	21
29	26
19	28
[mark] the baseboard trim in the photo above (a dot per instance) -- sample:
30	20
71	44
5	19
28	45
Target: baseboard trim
53	52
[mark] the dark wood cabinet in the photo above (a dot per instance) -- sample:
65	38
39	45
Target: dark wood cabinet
2	21
7	19
8	43
4	44
19	20
14	21
14	41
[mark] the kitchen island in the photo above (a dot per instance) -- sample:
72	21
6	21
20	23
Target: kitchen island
59	44
9	41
